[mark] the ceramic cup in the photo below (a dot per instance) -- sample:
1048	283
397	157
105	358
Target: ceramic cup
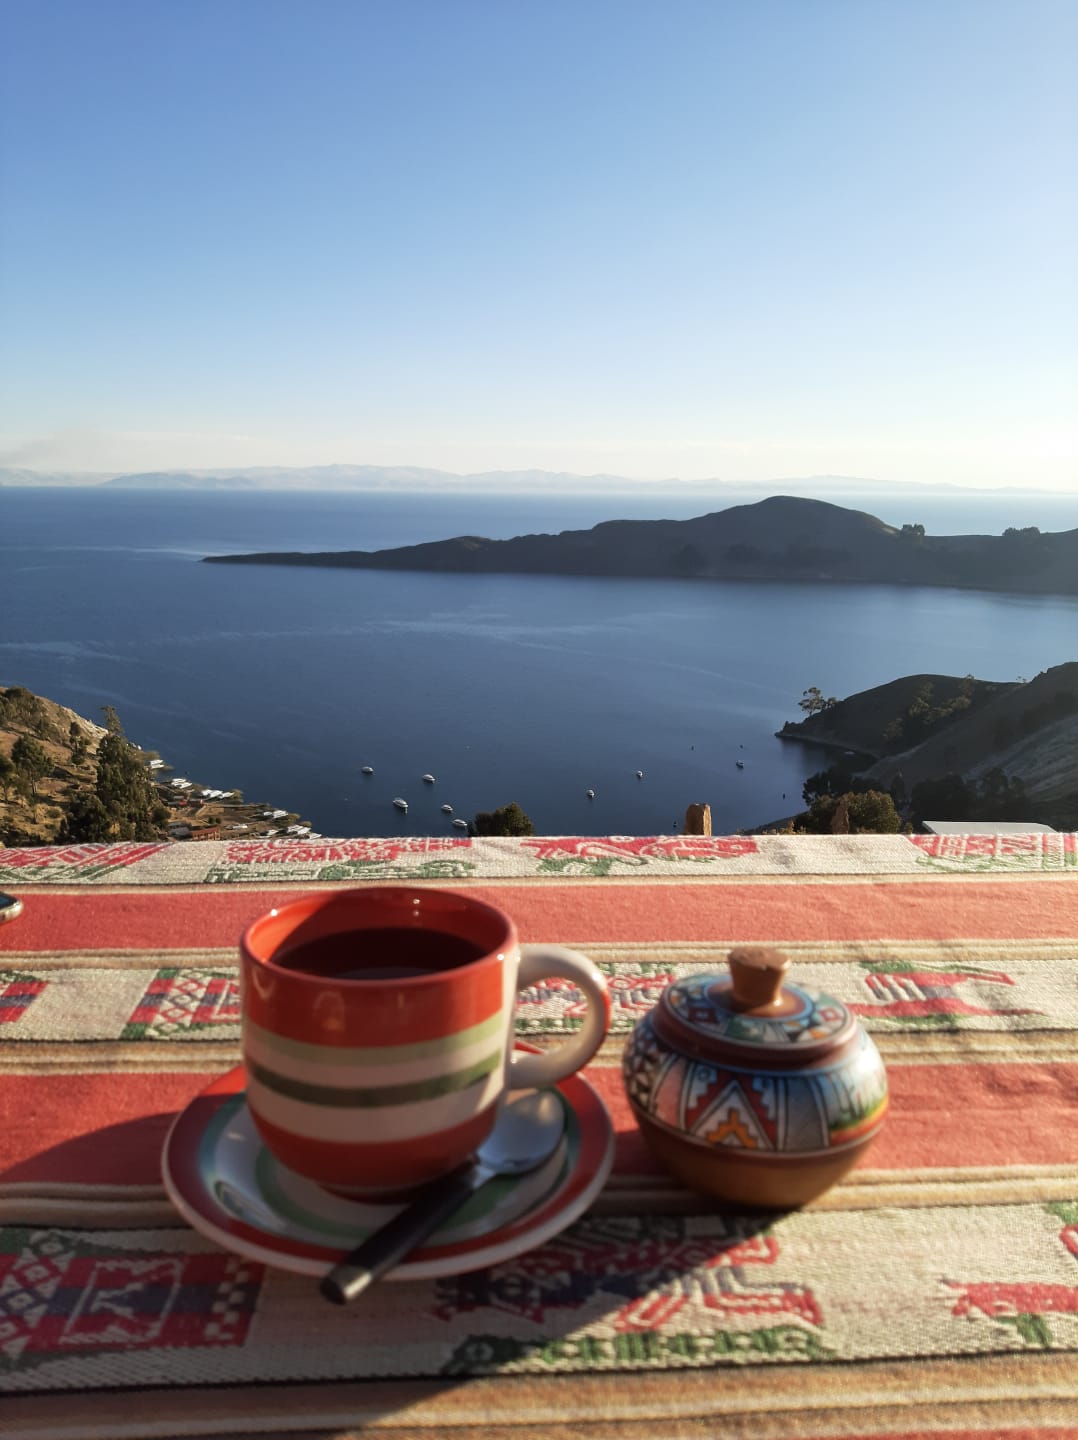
378	1031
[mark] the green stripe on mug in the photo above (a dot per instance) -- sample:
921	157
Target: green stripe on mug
311	1054
367	1097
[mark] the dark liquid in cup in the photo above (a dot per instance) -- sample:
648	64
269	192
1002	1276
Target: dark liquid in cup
388	953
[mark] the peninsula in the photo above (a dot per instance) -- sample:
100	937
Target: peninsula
954	738
783	538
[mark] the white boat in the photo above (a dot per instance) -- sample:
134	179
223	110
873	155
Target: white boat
740	764
429	779
368	770
461	824
640	774
447	809
401	804
590	794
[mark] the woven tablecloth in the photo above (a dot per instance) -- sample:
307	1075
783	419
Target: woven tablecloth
934	1292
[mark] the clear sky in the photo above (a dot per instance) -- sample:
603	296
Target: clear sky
705	238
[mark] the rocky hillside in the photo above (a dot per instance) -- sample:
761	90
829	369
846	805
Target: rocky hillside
782	538
49	768
927	726
33	806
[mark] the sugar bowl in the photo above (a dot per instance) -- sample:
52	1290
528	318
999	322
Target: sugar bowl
755	1091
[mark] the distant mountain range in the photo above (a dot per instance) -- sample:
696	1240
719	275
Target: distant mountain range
781	538
403	478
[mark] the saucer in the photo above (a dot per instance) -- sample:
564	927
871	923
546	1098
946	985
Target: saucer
224	1182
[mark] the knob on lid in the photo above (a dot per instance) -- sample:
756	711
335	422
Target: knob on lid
750	1015
756	976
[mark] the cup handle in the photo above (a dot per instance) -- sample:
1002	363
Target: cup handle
556	962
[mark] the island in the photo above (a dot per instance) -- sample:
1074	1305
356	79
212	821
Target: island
784	538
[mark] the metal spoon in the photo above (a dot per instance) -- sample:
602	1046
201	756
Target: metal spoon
526	1133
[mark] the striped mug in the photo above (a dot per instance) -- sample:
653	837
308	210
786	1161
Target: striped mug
378	1031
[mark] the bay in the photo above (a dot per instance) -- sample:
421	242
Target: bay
284	682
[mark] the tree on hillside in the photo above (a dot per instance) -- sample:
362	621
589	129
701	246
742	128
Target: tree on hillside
813	703
7	776
508	820
923	715
20	709
835	780
866	812
996	796
127	792
30	761
1001	796
86	820
689	560
945	798
77	743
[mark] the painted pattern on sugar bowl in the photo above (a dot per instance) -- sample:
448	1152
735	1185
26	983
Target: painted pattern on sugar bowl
754	1091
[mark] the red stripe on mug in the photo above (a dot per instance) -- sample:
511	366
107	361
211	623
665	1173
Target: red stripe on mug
353	1015
377	1169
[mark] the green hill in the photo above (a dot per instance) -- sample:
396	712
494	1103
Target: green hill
924	727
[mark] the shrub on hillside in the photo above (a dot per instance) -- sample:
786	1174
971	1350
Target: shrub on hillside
508	820
866	812
21	710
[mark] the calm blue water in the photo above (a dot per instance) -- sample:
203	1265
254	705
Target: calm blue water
284	682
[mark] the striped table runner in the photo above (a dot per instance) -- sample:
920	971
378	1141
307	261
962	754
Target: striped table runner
934	1292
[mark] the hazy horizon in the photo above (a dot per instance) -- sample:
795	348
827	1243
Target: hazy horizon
544	481
714	241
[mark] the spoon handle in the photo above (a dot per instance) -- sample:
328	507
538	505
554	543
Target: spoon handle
408	1229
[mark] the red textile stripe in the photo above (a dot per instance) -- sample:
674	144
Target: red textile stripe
1010	909
109	1129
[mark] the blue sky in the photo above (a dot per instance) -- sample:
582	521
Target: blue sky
733	240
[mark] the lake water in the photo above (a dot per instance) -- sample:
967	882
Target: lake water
284	682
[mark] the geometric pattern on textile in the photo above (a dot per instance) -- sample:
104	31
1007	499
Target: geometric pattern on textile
18	991
62	1293
895	994
1043	1316
656	1272
1033	851
419	858
76	862
448	858
598	856
928	996
199	1000
179	1001
642	1292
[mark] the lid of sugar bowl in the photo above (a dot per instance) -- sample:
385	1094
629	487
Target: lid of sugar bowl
750	1015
